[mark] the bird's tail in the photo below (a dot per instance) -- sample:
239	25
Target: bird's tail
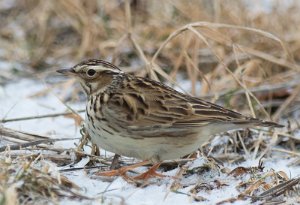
269	124
258	122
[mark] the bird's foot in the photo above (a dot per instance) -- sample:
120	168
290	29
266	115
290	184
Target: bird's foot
151	173
115	162
122	171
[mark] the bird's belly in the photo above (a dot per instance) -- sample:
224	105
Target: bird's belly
149	148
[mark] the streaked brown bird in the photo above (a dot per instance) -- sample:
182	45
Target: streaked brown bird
142	118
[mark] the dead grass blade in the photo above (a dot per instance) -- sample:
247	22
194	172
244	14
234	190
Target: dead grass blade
34	143
215	25
282	62
279	189
21	135
27	182
39	116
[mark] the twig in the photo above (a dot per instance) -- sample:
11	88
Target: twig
243	144
20	135
57	158
39	116
28	144
286	151
80	168
279	189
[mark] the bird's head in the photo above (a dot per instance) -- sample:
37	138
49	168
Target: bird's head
93	75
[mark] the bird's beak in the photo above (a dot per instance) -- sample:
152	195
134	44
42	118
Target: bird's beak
66	71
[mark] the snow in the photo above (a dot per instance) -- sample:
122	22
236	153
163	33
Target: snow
15	101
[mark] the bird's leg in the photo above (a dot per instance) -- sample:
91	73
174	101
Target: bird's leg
115	162
95	150
150	173
122	171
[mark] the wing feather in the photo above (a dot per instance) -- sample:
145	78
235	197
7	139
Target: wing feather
143	105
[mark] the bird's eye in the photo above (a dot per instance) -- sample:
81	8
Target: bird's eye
91	72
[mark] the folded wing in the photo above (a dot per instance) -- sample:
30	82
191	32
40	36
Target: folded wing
144	105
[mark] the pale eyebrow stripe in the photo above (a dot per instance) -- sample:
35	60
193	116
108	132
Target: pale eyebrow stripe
96	62
101	68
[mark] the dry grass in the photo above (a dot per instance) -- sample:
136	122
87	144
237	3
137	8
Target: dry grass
227	46
246	58
27	180
28	174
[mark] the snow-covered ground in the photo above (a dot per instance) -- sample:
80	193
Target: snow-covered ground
16	101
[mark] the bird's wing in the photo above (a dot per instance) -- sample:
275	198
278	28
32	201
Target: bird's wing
142	105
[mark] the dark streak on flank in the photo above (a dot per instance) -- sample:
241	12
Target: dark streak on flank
95	107
111	127
109	132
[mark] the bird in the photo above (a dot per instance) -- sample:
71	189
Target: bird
146	119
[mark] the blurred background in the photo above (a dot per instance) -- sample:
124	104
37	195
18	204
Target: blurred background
243	54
